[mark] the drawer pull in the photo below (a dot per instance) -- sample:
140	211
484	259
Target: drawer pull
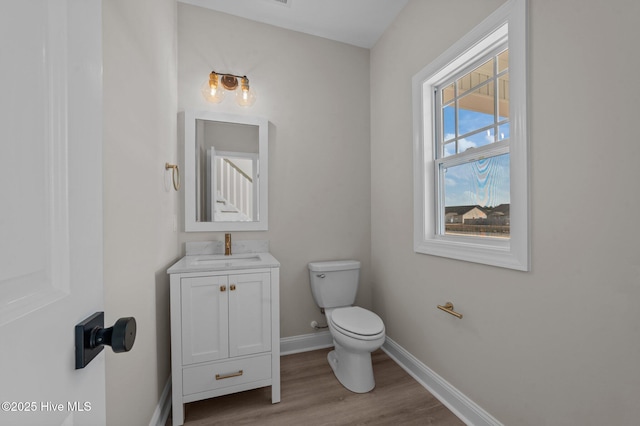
223	288
233	287
228	376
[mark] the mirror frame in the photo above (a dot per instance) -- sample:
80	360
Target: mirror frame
190	223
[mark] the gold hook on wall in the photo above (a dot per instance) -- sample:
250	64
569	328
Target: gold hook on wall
175	174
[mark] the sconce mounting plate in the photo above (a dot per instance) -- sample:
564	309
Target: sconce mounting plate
229	82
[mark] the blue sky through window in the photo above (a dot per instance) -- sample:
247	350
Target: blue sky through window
484	182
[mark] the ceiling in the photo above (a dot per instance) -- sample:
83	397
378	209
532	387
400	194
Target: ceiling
356	22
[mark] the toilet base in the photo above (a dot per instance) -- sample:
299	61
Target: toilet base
353	370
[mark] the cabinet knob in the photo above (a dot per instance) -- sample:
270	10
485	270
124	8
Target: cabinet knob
223	288
233	287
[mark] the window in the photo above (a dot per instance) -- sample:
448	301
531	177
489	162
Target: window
470	127
472	148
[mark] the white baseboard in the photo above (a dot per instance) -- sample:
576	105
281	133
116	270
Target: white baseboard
305	342
464	408
161	412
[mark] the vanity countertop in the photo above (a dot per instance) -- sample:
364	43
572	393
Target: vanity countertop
220	262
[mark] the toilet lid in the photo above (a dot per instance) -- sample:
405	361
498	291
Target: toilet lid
357	320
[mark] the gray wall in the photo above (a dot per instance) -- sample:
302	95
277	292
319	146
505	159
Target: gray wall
315	94
558	345
140	107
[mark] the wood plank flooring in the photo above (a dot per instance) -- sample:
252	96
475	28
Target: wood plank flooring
311	395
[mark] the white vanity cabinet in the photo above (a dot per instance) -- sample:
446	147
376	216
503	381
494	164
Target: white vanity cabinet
225	331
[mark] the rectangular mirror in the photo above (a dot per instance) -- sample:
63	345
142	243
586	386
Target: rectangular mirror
225	172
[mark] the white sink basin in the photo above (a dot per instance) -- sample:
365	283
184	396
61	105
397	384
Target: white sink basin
224	261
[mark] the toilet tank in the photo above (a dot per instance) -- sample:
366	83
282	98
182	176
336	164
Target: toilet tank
334	283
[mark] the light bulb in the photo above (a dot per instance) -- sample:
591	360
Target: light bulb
211	90
245	96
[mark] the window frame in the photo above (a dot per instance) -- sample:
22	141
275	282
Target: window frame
506	23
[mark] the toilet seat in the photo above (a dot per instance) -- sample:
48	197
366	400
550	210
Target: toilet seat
357	323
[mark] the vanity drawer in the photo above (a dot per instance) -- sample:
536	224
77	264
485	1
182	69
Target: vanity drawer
218	375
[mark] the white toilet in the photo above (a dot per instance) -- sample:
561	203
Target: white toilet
356	331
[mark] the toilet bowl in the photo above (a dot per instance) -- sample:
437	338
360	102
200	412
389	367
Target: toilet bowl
351	358
356	332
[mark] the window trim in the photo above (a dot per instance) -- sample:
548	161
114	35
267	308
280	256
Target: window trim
507	21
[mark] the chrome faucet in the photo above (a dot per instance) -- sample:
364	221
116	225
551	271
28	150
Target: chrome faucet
227	244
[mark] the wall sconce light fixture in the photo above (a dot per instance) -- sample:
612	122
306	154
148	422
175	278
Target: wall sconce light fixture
215	89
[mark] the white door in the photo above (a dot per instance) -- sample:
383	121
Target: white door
50	209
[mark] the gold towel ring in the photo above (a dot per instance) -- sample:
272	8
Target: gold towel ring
175	174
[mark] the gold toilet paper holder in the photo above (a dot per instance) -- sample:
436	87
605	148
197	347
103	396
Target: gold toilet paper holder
448	308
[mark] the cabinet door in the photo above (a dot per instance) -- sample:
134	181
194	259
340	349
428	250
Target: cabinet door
249	313
205	332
